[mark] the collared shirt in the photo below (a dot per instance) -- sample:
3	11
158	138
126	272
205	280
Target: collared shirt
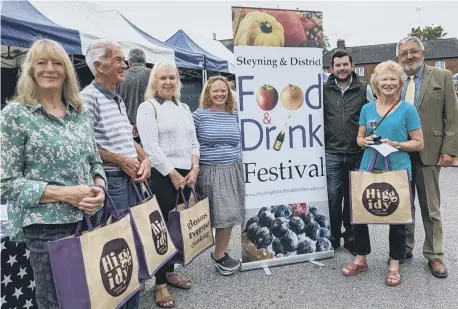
112	129
39	149
417	80
369	93
168	134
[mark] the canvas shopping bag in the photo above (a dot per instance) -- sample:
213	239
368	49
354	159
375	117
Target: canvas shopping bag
99	268
383	197
154	245
189	226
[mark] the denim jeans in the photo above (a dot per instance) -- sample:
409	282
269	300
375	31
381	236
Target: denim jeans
338	168
397	240
36	238
123	194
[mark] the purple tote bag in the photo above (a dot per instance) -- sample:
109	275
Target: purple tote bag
97	269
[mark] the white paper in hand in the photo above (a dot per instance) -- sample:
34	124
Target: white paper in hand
384	149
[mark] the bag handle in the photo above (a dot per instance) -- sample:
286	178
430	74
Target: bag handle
373	160
140	197
186	203
79	227
155	111
109	203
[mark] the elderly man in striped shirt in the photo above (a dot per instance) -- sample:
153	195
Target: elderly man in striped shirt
123	158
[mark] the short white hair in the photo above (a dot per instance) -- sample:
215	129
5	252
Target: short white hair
96	51
407	40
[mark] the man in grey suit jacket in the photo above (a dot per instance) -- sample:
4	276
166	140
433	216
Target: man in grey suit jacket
431	90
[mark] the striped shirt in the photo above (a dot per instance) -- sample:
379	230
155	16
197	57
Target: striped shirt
218	134
112	129
418	79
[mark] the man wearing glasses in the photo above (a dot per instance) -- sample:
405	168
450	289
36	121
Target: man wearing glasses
430	89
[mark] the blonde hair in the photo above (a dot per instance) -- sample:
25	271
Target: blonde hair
151	90
205	98
26	90
388	66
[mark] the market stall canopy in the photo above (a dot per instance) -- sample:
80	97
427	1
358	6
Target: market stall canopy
76	24
217	56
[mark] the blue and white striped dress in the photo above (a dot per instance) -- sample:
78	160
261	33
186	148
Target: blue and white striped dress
221	174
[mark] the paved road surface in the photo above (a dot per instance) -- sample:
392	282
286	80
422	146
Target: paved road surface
308	286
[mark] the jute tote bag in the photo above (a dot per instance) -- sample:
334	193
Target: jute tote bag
98	269
381	197
154	244
190	228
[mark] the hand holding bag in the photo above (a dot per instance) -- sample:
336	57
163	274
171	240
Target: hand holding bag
189	226
381	197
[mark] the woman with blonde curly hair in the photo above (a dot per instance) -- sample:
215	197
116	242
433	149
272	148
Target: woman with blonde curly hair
221	173
50	162
168	136
398	124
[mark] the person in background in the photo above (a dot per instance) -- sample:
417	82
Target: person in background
132	90
50	163
221	171
401	129
344	96
430	90
124	160
168	135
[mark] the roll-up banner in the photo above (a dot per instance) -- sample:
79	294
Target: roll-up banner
279	73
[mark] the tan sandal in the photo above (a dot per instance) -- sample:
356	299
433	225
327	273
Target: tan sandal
181	282
393	277
164	301
354	269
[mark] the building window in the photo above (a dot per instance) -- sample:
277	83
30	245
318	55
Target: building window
440	64
359	71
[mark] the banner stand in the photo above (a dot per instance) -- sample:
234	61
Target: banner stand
279	74
287	260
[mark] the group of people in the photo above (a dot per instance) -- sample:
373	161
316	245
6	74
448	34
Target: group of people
61	145
417	112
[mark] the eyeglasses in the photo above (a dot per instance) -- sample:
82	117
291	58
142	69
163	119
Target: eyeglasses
414	52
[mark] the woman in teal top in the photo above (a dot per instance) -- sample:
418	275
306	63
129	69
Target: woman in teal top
401	129
50	162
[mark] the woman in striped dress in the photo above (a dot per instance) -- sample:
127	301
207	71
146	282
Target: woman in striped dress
221	174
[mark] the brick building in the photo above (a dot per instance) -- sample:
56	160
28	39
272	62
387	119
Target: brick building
442	53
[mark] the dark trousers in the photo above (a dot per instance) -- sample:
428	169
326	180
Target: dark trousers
338	168
122	192
166	197
397	240
36	238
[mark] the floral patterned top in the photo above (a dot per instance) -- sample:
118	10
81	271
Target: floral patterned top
39	149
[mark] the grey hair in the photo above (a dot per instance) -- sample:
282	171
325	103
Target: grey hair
96	51
407	40
137	55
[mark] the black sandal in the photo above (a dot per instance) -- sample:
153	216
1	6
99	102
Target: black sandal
163	303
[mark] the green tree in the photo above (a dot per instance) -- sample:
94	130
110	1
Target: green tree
429	33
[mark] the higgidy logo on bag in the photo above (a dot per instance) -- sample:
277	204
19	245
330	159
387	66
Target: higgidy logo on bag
116	266
159	231
380	199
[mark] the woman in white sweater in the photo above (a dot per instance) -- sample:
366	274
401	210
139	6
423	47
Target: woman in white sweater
168	135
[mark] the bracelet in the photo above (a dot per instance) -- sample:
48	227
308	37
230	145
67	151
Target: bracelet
196	166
